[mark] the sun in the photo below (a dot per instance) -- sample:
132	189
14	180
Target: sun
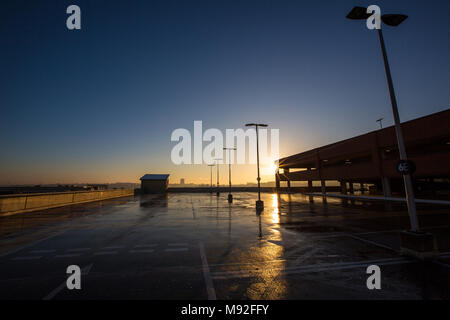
268	170
273	168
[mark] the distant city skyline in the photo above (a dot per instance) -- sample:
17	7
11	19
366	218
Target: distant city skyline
98	105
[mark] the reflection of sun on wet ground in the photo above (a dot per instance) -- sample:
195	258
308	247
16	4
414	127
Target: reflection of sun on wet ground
264	257
275	210
270	283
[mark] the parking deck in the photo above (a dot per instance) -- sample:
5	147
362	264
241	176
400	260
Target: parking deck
196	246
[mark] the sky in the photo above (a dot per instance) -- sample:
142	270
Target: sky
99	104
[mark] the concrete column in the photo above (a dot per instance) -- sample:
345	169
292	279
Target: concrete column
433	187
324	190
277	180
351	191
350	184
386	184
310	189
344	191
343	187
288	181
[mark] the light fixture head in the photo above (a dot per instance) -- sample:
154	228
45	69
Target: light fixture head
358	13
256	125
393	20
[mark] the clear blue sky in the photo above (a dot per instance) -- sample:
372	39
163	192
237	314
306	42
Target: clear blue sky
100	104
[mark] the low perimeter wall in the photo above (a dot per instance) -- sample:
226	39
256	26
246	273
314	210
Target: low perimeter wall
19	203
250	189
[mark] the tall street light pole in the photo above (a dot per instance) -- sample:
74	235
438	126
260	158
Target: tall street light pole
259	203
359	13
380	121
230	196
217	164
211	166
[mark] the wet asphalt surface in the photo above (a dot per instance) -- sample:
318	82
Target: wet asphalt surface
197	246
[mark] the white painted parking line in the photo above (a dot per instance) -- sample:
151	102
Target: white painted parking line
42	251
206	274
31	244
176	249
323	236
372	243
69	255
247	263
145	245
350	266
53	293
142	251
309	268
103	253
327	256
27	258
78	249
177	244
377	232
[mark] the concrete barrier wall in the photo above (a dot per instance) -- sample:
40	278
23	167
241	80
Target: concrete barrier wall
12	204
249	189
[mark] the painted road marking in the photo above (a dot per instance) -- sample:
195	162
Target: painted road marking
206	274
327	256
177	244
42	251
372	243
176	249
114	247
79	249
145	245
309	268
31	244
69	255
54	292
142	251
247	263
103	253
354	265
27	258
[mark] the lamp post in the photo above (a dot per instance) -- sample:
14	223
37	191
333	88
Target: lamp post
380	121
217	164
211	166
259	203
230	196
360	13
